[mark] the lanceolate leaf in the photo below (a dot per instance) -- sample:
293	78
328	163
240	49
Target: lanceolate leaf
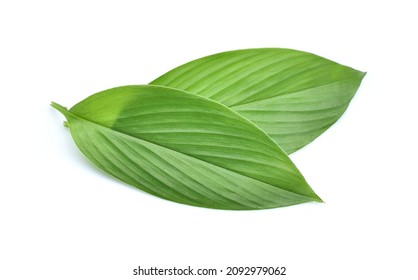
293	96
185	148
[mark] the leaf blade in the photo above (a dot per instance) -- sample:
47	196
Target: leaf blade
243	79
245	169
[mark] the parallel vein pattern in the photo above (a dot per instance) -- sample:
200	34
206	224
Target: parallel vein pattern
280	90
185	148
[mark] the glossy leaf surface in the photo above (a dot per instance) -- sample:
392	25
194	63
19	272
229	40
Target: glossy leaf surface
185	148
292	95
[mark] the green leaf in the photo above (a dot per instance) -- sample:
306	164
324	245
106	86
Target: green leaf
292	95
185	148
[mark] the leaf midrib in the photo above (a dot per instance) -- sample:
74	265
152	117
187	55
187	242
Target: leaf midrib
285	94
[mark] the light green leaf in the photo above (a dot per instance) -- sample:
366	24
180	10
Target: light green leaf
185	148
293	96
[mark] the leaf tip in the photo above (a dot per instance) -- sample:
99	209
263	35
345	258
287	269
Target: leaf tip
363	74
316	198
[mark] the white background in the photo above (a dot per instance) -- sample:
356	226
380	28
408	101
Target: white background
61	218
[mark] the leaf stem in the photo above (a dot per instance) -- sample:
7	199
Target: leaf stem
60	108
